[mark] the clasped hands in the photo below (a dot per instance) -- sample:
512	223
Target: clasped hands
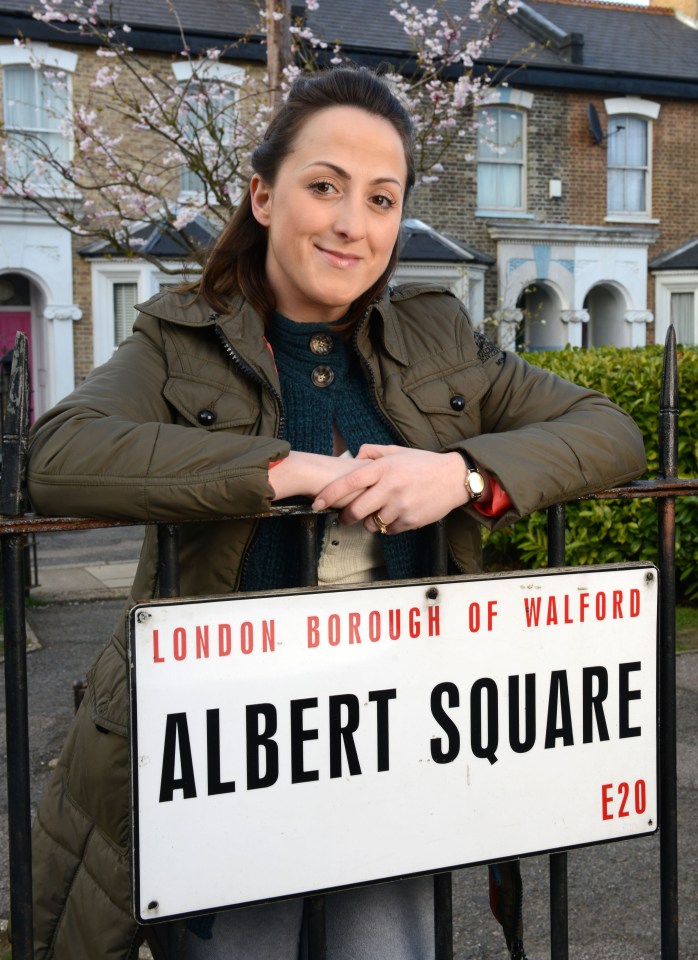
405	488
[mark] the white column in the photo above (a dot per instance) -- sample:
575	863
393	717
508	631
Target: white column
61	374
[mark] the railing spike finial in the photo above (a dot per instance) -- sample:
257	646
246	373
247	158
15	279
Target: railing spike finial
669	410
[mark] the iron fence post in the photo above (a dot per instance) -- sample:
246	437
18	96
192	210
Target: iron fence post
559	921
13	503
666	516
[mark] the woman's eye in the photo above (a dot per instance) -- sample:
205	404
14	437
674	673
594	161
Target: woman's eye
381	200
323	187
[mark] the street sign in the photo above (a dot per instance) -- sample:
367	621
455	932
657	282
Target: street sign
315	739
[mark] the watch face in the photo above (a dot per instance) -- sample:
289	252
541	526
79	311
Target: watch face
476	483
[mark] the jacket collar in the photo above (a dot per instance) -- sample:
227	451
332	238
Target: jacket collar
244	327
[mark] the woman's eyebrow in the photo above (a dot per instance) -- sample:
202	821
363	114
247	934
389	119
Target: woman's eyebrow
345	175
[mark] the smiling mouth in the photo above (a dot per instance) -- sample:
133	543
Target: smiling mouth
337	259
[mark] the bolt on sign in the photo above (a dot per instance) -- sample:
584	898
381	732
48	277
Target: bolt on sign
316	739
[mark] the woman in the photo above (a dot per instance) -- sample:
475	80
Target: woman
292	369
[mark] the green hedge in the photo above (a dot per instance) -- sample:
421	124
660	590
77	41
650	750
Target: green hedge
617	531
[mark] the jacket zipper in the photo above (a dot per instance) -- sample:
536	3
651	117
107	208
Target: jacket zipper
247	370
251	374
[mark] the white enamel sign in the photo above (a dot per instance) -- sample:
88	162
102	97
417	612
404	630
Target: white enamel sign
303	741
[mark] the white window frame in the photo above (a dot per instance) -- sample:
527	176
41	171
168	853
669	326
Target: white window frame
520	101
107	273
207	70
666	283
648	111
41	55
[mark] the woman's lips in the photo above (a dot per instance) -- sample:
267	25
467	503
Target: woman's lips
337	259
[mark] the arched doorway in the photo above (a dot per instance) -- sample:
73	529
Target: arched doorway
605	327
540	328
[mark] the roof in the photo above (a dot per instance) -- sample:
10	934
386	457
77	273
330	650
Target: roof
684	257
559	42
420	242
160	241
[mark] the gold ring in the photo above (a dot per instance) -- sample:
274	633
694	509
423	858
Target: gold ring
380	523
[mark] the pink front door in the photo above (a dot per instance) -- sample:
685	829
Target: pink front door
10	322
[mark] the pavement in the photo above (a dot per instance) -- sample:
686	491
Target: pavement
614	889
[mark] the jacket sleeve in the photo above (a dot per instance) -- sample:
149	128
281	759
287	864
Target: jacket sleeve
547	440
113	449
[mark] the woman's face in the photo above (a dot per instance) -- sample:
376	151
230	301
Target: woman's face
333	213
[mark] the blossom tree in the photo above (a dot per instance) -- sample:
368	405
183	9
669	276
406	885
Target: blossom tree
162	143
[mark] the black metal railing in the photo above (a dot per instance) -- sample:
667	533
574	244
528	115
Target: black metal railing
16	526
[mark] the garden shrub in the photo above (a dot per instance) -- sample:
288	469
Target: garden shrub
612	531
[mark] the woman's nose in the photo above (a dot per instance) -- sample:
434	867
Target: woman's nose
350	221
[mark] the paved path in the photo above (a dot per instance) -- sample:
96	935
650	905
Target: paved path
613	889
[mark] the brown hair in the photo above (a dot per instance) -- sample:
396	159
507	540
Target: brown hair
236	262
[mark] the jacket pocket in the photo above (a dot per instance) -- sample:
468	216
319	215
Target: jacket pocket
451	402
207	405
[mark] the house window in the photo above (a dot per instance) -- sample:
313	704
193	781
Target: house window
208	120
628	165
37	110
682	313
501	158
125	298
629	146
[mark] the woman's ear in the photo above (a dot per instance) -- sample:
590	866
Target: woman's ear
260	197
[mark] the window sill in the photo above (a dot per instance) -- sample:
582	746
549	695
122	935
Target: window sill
630	218
508	214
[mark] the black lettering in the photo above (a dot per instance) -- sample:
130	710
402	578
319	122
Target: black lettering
343	732
592	703
382	698
559	697
486	750
177	733
438	754
625	695
261	740
516	743
213	755
298	737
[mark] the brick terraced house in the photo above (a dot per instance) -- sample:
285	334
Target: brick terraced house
574	221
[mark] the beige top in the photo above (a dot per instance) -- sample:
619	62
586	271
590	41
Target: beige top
349	554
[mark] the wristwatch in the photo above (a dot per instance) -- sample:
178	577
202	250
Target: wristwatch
474	481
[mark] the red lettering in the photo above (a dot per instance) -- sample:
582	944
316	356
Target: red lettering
333	629
474	617
225	640
640	796
600	606
532	605
617	600
635	602
156	648
202	643
623	791
374	626
491	613
434	625
415	626
180	643
246	637
583	605
394	624
354	622
268	636
313	631
552	611
568	618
